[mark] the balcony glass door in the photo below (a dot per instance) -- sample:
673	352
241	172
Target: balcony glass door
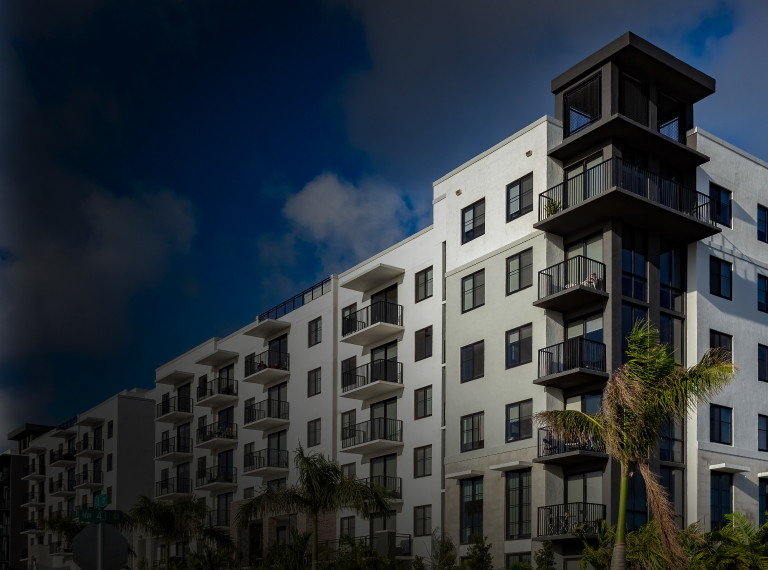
590	328
278	347
383	419
384	306
384	472
384	362
582	181
584	488
276	395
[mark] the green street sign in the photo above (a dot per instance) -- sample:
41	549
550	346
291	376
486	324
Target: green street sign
98	515
100	501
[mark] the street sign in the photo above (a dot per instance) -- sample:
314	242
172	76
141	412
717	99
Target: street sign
100	501
99	515
112	545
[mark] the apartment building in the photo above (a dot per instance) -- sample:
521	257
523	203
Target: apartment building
104	450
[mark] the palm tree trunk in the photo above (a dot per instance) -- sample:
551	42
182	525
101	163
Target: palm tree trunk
619	554
315	525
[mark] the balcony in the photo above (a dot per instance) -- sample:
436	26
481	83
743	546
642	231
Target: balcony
572	284
33	448
372	278
373	380
66	428
266	463
217	435
89	448
61	457
266	414
217	392
218	517
372	324
373	436
575	362
59	548
267	368
89	480
33	472
403	545
216	478
393	485
618	189
33	499
559	521
557	452
268	327
174	409
173	488
173	449
61	487
175	377
33	527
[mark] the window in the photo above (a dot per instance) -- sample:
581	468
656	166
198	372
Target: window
722	341
349	470
519	271
720	422
634	276
671	334
110	429
473	221
313	432
422	520
671	271
763	506
520	420
719	277
473	291
637	501
110	460
582	105
762	363
670	113
720	498
472	361
348	421
315	331
721	204
517	558
349	319
422	461
630	314
520	197
633	99
424	284
519	346
518	504
347	526
423	402
423	343
762	223
671	441
313	382
762	293
109	495
672	479
471	509
762	432
472	431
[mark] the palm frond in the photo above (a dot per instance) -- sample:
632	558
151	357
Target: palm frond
572	425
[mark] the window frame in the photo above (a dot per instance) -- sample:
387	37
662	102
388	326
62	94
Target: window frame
422	405
523	343
472	350
422	520
522	505
521	271
478	222
762	363
470	511
518	188
478	291
716	340
762	432
762	293
762	223
722	205
718	482
522	420
716	277
422	347
314	382
422	461
315	332
475	431
314	436
720	424
424	287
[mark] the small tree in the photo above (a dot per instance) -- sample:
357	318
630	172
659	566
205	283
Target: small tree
545	557
479	554
443	553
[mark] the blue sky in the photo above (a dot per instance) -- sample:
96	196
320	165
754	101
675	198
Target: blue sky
168	169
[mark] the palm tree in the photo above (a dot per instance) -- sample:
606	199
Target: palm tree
639	397
169	521
321	488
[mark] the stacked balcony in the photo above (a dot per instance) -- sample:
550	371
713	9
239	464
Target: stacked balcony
61	487
267	368
216	478
393	485
266	414
33	471
373	380
59	548
61	457
575	362
218	518
372	324
558	522
33	499
89	479
173	488
374	436
552	451
217	435
572	283
174	409
33	527
266	463
89	447
217	392
174	449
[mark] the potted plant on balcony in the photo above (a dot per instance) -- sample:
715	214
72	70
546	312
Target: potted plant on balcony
552	207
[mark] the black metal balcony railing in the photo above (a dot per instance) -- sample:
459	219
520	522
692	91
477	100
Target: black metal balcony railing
555	520
549	446
615	172
86	476
33	469
267	359
216	474
56	485
174	485
175	404
218	517
393	485
226	386
61	455
216	430
68	423
578	270
266	409
33	525
33	497
572	354
90	444
299	300
59	548
173	445
277	458
378	312
386	370
377	428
